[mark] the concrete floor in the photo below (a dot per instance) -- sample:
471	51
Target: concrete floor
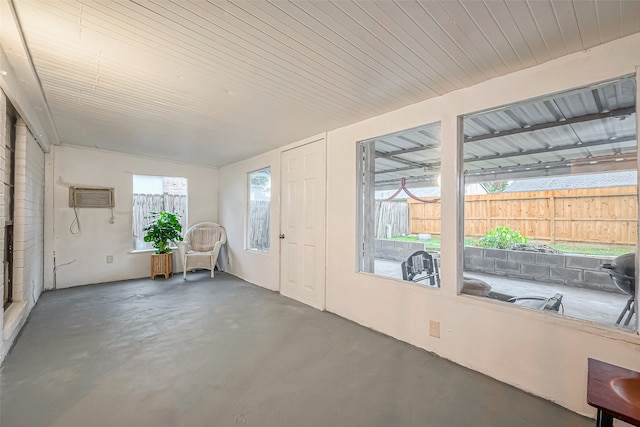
223	352
586	304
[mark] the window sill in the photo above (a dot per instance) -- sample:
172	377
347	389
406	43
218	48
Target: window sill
144	251
582	325
397	281
254	251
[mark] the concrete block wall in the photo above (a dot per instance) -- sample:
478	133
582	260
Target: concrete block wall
395	250
570	270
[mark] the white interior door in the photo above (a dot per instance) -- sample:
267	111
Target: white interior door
302	224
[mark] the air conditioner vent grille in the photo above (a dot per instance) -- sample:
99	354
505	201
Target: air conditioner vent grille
91	197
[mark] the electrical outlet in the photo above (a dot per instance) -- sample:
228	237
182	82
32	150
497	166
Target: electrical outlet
434	328
109	259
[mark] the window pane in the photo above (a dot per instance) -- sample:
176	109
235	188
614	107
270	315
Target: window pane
551	200
154	194
399	205
259	210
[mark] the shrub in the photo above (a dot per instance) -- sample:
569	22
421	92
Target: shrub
502	238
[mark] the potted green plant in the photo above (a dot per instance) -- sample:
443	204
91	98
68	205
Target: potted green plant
163	230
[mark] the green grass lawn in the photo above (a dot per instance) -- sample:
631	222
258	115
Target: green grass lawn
434	243
595	250
567	248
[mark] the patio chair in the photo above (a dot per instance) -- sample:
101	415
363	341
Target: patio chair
421	265
540	303
477	287
201	246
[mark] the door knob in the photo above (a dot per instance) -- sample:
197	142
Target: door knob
282	236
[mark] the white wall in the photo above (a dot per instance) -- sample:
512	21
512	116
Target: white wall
541	353
259	268
538	352
81	259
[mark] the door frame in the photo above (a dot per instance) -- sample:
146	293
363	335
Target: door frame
319	138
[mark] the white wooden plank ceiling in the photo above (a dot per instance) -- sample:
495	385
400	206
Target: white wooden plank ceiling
215	82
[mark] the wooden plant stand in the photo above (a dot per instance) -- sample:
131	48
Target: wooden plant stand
161	264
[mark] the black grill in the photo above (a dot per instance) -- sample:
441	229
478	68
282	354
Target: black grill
623	272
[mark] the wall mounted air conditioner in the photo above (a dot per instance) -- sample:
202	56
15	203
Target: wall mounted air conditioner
80	197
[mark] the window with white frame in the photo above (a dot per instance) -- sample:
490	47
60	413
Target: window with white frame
399	205
155	194
552	223
259	207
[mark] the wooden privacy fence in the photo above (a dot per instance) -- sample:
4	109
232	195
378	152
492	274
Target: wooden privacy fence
259	219
392	219
593	215
144	204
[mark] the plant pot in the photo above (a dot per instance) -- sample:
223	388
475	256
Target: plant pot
161	264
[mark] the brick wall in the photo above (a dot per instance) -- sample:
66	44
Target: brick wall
570	270
28	225
29	218
3	140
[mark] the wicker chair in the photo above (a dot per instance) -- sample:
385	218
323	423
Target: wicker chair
201	246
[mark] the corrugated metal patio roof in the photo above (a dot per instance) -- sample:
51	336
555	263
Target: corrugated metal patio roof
586	130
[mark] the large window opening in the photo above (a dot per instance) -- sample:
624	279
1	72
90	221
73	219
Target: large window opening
259	210
155	194
399	205
555	224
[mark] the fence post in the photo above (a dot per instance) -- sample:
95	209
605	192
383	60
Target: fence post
552	201
487	208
